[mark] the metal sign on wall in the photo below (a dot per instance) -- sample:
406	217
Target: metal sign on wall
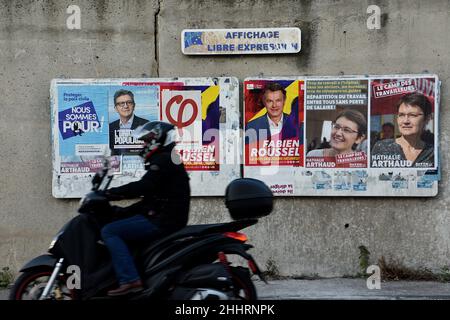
240	41
343	136
88	124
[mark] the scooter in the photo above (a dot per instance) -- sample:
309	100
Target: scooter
190	264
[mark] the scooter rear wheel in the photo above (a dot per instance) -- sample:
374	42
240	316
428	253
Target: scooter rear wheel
31	284
244	289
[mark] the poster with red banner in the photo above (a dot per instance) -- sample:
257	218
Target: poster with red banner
403	122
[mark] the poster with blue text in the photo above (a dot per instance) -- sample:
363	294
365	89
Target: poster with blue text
82	120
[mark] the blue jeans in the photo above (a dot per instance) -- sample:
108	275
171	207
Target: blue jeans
115	234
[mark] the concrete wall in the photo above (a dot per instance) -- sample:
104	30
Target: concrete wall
304	236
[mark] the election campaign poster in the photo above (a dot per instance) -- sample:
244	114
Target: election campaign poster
336	117
195	112
358	135
403	123
82	123
273	130
130	107
97	118
273	122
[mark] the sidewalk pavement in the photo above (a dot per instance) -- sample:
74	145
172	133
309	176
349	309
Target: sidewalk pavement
343	289
351	289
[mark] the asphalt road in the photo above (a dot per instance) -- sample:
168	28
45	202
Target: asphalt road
344	289
3	294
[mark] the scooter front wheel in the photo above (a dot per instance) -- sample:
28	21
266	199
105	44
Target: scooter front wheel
31	284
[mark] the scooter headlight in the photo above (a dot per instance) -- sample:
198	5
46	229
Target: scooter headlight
82	200
52	244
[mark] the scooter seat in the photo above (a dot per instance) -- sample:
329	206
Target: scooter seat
196	231
202	229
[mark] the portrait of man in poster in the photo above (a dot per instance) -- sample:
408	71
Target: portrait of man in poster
275	124
120	131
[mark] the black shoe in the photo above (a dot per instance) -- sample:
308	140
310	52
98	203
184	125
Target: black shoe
126	288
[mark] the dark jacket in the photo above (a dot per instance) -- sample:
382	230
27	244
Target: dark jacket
137	121
389	148
115	125
165	190
261	127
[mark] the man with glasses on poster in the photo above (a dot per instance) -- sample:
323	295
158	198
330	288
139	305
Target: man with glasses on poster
120	131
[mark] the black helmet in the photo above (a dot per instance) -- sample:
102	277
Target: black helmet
155	134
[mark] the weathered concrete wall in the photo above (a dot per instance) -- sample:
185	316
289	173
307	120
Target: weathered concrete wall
116	40
304	236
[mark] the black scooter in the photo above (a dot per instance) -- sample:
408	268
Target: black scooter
190	264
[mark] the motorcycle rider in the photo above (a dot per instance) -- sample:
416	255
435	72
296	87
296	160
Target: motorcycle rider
163	209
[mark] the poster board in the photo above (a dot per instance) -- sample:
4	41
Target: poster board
87	125
332	136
